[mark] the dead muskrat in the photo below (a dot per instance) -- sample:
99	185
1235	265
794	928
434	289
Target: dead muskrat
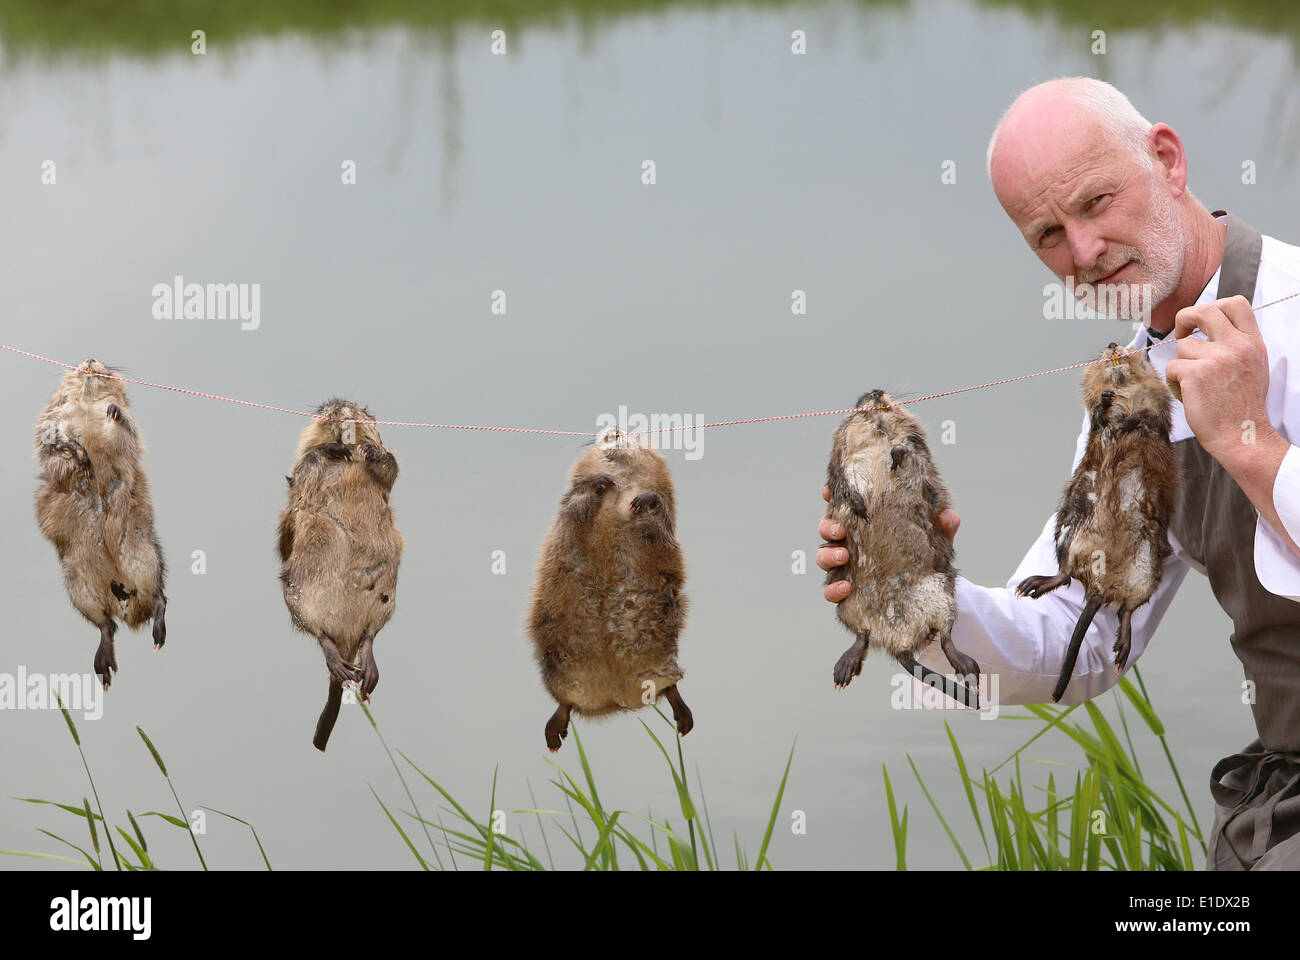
1112	524
339	549
887	495
94	506
608	604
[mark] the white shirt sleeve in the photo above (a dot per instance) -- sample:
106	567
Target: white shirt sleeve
1021	643
1276	565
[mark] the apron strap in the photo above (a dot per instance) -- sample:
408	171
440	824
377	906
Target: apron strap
1261	764
1241	253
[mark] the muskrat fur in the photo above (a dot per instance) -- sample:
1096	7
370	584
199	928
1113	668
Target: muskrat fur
94	506
1112	524
608	605
339	549
887	495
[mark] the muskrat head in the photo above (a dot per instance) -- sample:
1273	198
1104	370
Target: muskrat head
630	452
1122	371
93	381
627	457
340	421
877	419
873	401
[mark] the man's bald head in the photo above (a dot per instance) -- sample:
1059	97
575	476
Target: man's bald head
1098	191
1077	110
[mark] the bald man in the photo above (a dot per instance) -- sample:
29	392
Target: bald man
1100	196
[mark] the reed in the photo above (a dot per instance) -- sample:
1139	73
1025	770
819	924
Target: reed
616	839
1111	818
94	820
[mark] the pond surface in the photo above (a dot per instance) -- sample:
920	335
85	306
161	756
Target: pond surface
522	173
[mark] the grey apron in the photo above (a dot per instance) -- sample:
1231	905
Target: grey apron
1256	792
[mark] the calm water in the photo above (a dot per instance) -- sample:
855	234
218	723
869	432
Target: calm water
521	173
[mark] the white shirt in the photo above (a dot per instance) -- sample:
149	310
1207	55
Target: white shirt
1023	640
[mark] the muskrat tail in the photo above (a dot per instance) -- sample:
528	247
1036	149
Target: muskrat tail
1072	653
325	725
957	691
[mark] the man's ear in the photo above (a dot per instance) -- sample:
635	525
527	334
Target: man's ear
1171	160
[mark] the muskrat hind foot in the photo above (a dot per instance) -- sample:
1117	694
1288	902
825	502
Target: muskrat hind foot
159	623
1036	587
1123	639
963	664
850	663
557	728
105	658
339	668
369	675
1121	650
681	712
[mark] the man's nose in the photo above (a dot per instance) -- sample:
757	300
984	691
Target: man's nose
1085	246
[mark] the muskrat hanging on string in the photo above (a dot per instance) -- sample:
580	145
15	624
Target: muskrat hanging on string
887	495
608	605
94	506
339	549
1112	524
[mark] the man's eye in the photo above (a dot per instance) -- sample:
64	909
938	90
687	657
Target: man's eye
1097	199
1047	233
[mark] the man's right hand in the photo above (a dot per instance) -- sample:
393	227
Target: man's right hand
831	555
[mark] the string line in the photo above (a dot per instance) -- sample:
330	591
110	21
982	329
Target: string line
588	433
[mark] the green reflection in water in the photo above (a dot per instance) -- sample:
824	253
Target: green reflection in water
157	27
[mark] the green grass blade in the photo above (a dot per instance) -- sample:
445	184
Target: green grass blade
400	832
1164	743
541	826
139	834
1184	846
601	842
90	822
179	806
776	810
77	811
900	835
136	849
94	791
491	822
938	813
968	786
715	861
231	816
89	859
38	856
683	795
1142	705
365	708
1128	738
174	821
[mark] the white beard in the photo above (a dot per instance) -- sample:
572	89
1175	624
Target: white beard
1158	270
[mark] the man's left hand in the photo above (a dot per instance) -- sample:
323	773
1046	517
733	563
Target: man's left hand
1223	380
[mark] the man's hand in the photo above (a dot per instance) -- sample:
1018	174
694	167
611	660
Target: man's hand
1223	380
830	555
